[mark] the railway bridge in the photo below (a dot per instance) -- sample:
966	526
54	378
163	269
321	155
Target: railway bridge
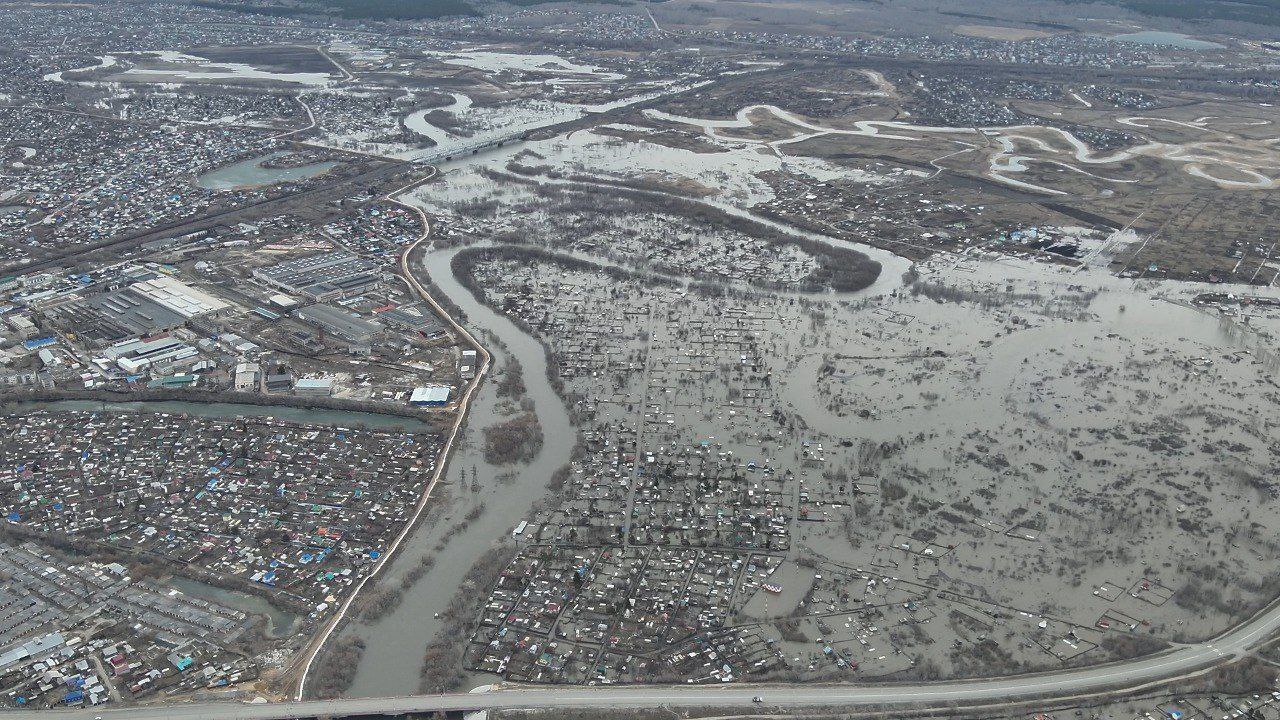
439	155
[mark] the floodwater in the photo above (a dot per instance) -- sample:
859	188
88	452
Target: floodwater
1120	309
440	137
1157	37
395	644
197	68
340	418
194	69
583	152
509	121
892	265
105	61
280	623
250	173
497	62
417	120
1242	174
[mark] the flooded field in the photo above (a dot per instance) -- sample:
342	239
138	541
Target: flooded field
923	436
921	462
958	466
962	468
1053	146
172	66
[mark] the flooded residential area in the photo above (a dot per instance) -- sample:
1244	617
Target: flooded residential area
462	359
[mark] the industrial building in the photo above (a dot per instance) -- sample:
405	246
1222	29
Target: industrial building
133	356
327	276
431	396
116	316
22	326
278	382
178	297
154	304
32	648
414	317
248	376
314	387
467	366
340	323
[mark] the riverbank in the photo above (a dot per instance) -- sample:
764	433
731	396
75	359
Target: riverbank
393	658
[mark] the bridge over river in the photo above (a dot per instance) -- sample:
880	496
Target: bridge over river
438	155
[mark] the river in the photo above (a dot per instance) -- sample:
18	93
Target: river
892	265
417	120
395	644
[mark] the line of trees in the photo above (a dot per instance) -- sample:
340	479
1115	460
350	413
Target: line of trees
336	668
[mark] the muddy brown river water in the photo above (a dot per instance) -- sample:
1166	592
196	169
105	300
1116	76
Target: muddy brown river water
395	643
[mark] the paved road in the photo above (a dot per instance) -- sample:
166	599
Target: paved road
1176	663
312	651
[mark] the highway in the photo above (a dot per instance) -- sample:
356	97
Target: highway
929	694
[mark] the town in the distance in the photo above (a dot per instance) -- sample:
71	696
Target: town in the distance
639	359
